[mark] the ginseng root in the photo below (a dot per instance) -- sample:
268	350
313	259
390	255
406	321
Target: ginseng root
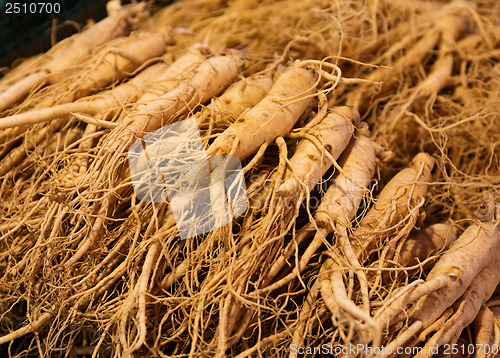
451	275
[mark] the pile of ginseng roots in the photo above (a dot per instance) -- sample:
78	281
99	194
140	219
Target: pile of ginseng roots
369	143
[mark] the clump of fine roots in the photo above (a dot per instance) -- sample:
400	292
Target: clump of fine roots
88	268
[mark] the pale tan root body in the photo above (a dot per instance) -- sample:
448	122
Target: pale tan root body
337	209
271	118
21	70
222	70
468	306
313	156
309	163
119	62
404	192
342	199
18	91
99	104
181	69
78	47
239	97
483	328
338	205
451	276
394	203
274	116
422	243
393	215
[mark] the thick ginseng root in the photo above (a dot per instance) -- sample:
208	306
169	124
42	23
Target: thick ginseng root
483	328
338	205
468	306
77	48
337	209
182	268
19	90
335	213
342	199
235	100
100	103
401	197
310	163
450	277
27	67
209	79
240	96
142	88
73	51
122	60
177	72
272	117
315	154
396	201
421	244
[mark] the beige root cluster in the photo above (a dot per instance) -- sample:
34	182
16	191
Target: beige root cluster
368	136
